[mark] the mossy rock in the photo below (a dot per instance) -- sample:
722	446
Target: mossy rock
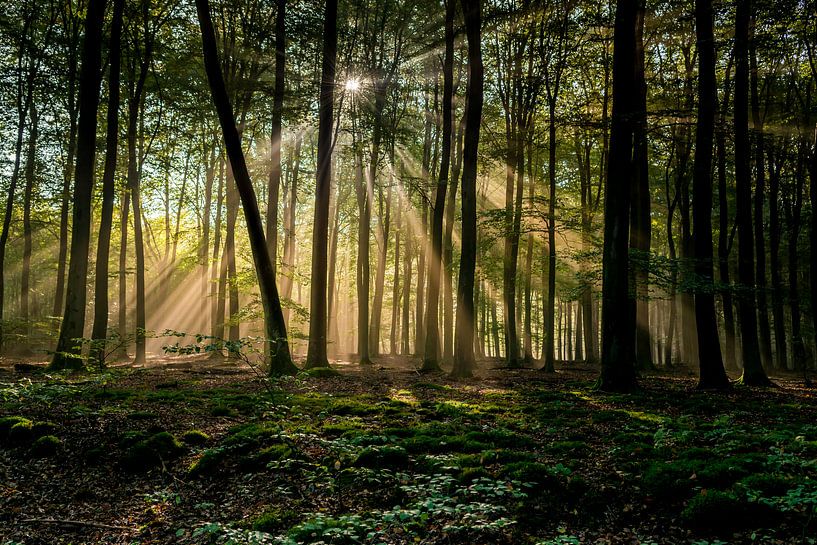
41	429
8	422
221	410
383	457
195	438
248	437
208	463
152	452
45	446
21	432
275	520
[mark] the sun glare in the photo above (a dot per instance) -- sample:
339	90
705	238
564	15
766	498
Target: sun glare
352	85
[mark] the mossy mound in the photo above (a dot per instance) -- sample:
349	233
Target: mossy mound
195	438
723	511
275	520
8	422
21	432
152	452
381	457
208	463
45	446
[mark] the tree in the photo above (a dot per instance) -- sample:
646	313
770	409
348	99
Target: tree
712	373
617	337
277	344
465	319
100	327
316	355
753	373
73	322
432	337
273	186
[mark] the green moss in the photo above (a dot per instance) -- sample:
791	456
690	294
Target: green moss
142	415
21	432
221	410
208	463
45	446
382	457
131	437
576	448
531	472
152	452
668	480
470	474
195	437
346	429
260	459
41	429
768	484
8	422
322	372
721	511
499	438
275	520
252	436
94	456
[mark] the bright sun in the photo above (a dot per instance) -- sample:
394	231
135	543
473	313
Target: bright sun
352	84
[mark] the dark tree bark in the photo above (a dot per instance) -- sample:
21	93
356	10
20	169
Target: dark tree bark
753	373
760	190
67	352
277	351
274	182
775	166
100	328
448	248
641	229
316	352
793	208
813	229
464	339
432	340
617	369
363	190
712	373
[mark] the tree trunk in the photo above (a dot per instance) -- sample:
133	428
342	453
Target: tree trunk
753	373
617	369
464	339
775	166
100	327
363	188
432	340
316	352
67	352
712	373
274	182
277	350
31	161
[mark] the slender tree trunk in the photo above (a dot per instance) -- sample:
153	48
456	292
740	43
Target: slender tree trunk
432	340
395	293
73	323
100	327
363	189
316	352
274	182
448	248
277	350
712	373
31	160
724	248
753	373
464	336
775	165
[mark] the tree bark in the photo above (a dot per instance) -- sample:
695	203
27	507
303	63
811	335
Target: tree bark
464	339
316	352
274	182
277	351
67	352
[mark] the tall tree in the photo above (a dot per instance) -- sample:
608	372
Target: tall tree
712	373
617	369
100	327
432	338
316	354
67	352
466	318
274	182
277	345
753	373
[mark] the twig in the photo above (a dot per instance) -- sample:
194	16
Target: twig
77	523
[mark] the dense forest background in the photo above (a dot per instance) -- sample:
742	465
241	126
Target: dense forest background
167	250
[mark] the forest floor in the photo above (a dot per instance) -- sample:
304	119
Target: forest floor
189	451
